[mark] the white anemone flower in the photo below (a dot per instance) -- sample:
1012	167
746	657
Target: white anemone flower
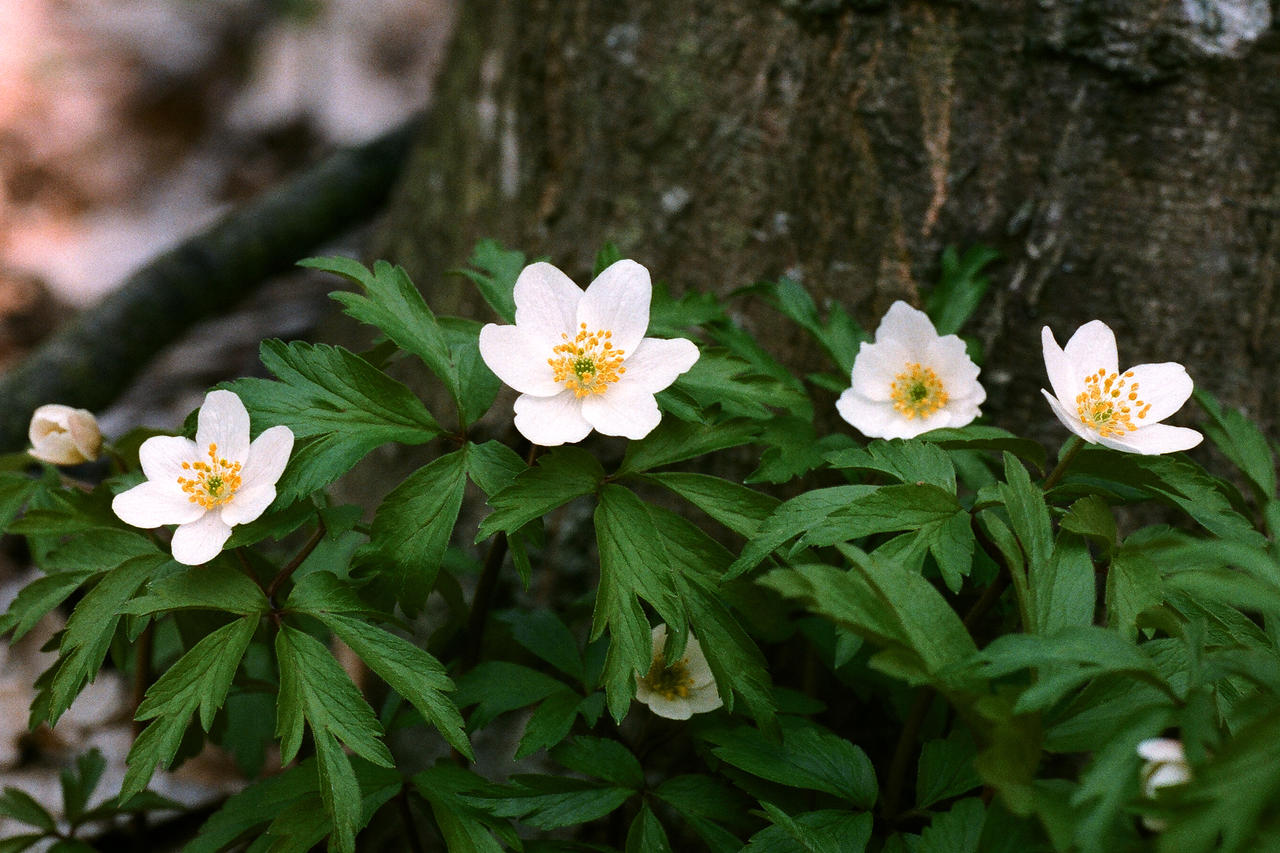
1166	766
580	360
61	435
911	379
208	485
678	689
1103	406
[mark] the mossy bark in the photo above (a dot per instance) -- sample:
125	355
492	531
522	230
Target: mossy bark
1122	157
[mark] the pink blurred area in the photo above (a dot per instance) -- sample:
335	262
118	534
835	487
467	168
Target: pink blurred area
126	125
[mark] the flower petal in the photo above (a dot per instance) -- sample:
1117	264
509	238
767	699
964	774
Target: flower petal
1069	420
1065	379
910	327
618	301
223	421
950	361
1154	439
550	421
248	503
1164	386
625	409
267	458
546	304
162	457
152	504
656	362
703	699
201	540
676	708
1091	348
519	359
869	417
1161	749
876	366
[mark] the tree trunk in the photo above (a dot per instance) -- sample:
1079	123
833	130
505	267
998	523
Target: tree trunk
1121	156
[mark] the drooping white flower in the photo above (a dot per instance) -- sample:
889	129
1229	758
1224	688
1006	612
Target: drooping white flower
1103	406
1166	766
61	435
678	689
580	360
208	485
911	379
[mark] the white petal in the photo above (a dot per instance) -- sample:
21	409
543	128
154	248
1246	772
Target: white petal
673	709
949	359
876	366
958	413
1064	377
910	327
56	448
696	663
1167	775
267	458
657	362
201	540
223	421
625	409
871	418
249	503
550	421
1161	749
519	359
1091	348
618	301
162	457
703	699
1069	419
546	303
1165	386
152	504
1155	439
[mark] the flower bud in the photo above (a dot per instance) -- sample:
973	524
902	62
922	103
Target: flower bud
62	435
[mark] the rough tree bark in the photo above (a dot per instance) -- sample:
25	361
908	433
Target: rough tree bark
1121	155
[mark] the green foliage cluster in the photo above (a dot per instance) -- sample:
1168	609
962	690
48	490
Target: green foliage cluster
921	645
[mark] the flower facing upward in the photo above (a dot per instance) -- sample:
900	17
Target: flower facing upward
580	359
1103	406
208	485
911	379
1166	766
61	435
678	689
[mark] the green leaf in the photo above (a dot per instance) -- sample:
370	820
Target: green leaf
1028	514
1063	591
1242	442
550	723
735	387
1091	518
494	271
706	802
22	807
500	686
78	784
839	335
945	769
465	828
905	461
560	476
822	831
957	830
646	834
603	758
960	288
987	438
808	757
1133	585
18	843
99	549
214	587
792	518
255	806
412	672
738	508
16	489
199	680
549	802
543	633
675	441
412	526
38	598
339	407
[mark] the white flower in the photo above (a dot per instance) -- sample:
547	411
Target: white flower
680	689
580	360
62	435
911	380
1166	766
208	485
1117	410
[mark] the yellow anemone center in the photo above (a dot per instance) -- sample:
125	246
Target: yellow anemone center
669	682
587	363
917	392
1109	403
211	483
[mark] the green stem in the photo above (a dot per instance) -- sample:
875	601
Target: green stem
283	574
1069	451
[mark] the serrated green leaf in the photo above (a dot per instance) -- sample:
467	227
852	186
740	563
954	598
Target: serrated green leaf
494	271
734	387
1242	442
339	790
905	461
339	407
98	550
550	723
78	784
543	633
1133	585
412	526
411	671
675	441
561	475
38	598
739	508
792	518
465	828
957	830
960	288
823	831
839	335
214	587
549	802
500	686
256	806
198	681
987	438
646	834
945	769
603	758
22	807
706	802
1091	518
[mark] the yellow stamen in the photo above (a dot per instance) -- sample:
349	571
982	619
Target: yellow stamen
917	392
587	364
672	681
1109	403
213	483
